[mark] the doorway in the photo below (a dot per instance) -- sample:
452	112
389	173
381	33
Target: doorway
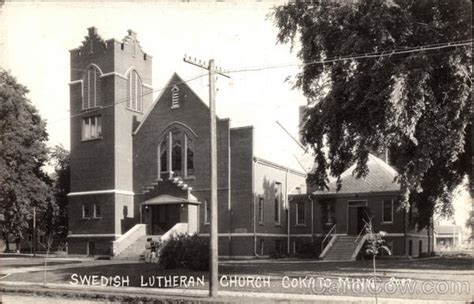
357	213
164	217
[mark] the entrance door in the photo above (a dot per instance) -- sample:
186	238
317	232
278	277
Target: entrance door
357	214
164	217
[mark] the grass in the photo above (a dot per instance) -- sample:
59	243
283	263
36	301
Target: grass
277	269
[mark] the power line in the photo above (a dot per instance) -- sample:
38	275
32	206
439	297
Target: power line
386	53
128	99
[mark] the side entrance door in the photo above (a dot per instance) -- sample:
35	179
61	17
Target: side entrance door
357	214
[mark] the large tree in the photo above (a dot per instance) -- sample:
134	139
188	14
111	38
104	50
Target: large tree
57	220
23	152
414	104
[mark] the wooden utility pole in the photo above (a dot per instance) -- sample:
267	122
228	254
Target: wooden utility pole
34	231
213	263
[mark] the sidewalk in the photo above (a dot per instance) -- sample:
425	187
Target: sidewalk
191	295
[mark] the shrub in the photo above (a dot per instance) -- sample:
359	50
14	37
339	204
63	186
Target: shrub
309	250
185	251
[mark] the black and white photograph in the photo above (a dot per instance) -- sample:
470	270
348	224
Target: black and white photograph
312	151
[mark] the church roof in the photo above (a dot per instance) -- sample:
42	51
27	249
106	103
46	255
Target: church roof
381	178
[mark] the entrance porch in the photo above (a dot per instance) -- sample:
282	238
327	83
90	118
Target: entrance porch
163	212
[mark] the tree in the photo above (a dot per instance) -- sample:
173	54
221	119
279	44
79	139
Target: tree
60	158
415	105
23	152
374	247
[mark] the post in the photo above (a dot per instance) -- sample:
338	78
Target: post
213	259
34	231
213	283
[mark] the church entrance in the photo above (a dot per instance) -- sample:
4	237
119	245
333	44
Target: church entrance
357	213
164	217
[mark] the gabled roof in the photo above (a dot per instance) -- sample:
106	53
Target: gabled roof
381	178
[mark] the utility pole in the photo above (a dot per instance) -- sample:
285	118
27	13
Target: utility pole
214	281
34	231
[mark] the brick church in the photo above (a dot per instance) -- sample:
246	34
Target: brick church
140	168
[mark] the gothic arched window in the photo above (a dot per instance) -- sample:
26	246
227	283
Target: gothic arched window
91	81
134	91
176	154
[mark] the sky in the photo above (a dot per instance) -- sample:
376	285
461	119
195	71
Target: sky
35	39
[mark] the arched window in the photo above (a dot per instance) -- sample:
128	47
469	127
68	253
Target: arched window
134	92
91	80
176	154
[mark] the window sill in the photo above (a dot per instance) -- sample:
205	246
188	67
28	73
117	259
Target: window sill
386	223
85	218
277	224
92	139
207	224
133	110
261	224
191	177
97	218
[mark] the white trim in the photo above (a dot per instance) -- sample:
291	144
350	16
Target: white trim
169	126
395	234
206	216
150	109
278	197
383	212
75	82
94	65
116	191
92	235
265	162
113	74
297	223
148	86
250	234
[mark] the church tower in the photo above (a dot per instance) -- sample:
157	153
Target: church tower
110	90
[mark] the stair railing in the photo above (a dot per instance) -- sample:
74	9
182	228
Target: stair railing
360	233
327	236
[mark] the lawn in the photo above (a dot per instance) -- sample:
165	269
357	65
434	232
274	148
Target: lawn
30	262
436	270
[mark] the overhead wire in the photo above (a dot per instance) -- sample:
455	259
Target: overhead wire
385	53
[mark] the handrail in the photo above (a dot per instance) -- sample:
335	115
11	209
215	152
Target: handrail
327	235
360	233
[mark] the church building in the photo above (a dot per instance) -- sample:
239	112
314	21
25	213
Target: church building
140	168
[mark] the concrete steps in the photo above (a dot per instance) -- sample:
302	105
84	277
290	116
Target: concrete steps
134	250
342	249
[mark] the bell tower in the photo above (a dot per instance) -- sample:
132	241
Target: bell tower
110	91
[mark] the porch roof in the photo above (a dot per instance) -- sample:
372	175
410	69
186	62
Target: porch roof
381	178
170	199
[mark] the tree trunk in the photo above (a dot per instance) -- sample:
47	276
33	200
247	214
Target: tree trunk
7	244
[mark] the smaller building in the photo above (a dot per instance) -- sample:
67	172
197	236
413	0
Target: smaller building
344	213
447	237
